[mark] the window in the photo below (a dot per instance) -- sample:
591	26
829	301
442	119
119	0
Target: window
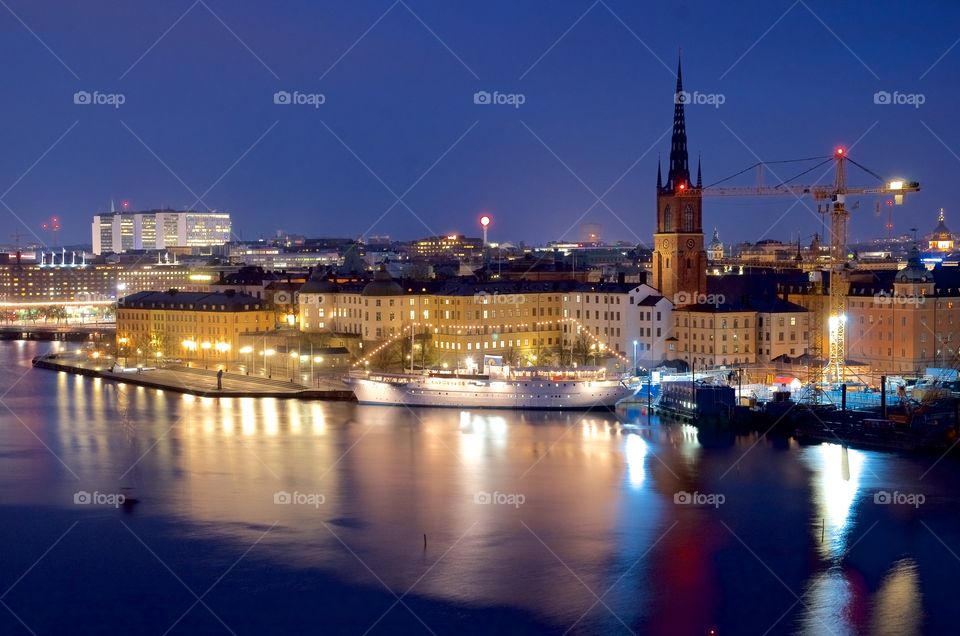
688	218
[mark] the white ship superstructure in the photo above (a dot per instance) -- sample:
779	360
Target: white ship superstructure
498	387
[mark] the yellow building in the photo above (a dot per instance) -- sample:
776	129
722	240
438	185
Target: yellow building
711	336
452	246
523	321
187	325
907	325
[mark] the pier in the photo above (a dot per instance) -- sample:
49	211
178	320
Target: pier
200	382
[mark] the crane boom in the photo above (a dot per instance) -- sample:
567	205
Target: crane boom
839	216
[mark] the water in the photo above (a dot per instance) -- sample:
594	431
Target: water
584	532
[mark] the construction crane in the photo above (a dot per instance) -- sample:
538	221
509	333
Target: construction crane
836	195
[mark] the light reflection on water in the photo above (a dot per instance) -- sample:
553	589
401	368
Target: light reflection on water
598	516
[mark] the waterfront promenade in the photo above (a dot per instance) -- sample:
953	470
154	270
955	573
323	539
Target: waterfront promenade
203	382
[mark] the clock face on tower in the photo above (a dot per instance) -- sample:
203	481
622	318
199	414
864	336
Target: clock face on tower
691	243
666	244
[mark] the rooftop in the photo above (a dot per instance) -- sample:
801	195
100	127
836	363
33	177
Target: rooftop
194	301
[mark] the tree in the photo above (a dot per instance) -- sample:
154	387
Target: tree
55	313
581	349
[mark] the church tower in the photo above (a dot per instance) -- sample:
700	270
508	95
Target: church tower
679	260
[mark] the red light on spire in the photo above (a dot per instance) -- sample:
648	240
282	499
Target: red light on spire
683	186
840	151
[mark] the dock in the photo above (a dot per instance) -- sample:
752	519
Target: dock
200	382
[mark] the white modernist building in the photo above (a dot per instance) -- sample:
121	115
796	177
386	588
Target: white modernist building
120	232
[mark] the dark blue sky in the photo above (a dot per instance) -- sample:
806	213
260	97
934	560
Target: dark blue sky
400	99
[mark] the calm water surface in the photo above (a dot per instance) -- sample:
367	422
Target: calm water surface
269	516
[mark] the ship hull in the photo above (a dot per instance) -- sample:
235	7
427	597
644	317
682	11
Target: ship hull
490	394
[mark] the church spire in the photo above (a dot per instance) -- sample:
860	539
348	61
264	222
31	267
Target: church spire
699	174
659	177
679	173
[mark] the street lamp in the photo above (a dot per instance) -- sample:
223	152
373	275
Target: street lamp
245	351
122	342
205	346
189	345
223	348
634	357
266	357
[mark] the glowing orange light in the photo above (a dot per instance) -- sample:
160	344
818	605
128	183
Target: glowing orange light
683	186
839	151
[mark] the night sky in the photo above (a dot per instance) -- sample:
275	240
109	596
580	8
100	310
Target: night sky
199	127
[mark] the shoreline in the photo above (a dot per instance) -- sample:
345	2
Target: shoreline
193	382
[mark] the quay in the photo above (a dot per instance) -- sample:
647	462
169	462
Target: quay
200	382
68	332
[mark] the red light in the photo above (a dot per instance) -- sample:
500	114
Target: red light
839	151
683	186
485	220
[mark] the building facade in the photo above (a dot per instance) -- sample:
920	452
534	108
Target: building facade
527	322
187	325
756	330
453	246
908	324
120	232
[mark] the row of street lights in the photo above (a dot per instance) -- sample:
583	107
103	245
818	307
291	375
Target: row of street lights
205	346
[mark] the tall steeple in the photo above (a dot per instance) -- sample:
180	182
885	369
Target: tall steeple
679	173
659	177
699	174
679	258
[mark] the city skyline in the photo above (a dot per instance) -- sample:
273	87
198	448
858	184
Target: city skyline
412	120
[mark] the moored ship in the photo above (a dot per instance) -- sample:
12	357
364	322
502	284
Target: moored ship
497	387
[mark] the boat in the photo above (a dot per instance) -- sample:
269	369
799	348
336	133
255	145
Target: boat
929	426
702	400
497	386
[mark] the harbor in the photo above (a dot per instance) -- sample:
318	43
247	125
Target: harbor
920	414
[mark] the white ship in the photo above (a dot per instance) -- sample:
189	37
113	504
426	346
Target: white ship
498	387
